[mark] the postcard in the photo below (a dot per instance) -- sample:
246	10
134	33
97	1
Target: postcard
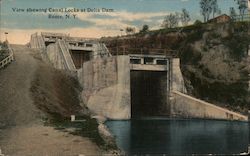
124	77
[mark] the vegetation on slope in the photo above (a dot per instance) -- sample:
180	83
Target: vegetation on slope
56	93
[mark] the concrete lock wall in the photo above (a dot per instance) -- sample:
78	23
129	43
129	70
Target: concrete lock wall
55	56
182	105
177	81
36	41
189	107
106	86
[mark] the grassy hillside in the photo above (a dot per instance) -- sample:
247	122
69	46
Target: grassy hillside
214	58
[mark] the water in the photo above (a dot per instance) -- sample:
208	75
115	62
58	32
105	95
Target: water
178	137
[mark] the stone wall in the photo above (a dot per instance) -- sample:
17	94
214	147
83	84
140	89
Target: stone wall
188	107
106	86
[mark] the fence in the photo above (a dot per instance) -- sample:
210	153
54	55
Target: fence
147	51
8	59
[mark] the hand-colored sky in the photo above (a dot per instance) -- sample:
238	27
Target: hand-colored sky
132	13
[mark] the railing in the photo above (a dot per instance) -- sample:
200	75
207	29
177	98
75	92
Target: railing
41	42
8	59
37	41
66	55
73	47
103	50
147	51
106	49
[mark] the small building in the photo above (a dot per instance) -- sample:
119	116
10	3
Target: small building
220	19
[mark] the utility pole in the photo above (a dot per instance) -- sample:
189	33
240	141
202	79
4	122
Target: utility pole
6	33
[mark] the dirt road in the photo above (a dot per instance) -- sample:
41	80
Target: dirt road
22	132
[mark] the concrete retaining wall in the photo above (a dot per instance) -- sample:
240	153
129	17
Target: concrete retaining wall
176	77
106	86
37	42
55	57
60	57
188	107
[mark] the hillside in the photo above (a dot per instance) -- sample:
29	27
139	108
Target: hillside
213	57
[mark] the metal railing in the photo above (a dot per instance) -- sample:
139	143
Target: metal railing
103	50
8	59
66	55
146	51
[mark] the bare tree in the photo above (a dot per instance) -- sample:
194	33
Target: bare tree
233	13
185	17
242	6
206	9
171	20
215	7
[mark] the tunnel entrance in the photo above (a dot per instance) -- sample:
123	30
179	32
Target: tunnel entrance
149	94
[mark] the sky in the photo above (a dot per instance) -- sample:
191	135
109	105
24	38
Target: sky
122	14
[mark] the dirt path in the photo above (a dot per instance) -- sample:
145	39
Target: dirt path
16	104
22	132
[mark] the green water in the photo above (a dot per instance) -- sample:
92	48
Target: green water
180	137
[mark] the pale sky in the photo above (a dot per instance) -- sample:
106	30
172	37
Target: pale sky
132	13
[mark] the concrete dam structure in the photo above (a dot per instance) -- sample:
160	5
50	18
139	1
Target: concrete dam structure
126	86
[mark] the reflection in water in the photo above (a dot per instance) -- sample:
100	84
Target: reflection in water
176	137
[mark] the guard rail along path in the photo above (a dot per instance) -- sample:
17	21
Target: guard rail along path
8	59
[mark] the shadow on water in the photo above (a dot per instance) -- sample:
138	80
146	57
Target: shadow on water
178	137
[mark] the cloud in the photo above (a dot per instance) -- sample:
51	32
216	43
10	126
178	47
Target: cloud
130	16
115	20
120	19
102	24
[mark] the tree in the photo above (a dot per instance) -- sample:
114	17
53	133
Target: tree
145	28
130	30
206	9
242	6
232	13
171	20
185	17
215	7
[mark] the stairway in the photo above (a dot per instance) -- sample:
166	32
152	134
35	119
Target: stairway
66	55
